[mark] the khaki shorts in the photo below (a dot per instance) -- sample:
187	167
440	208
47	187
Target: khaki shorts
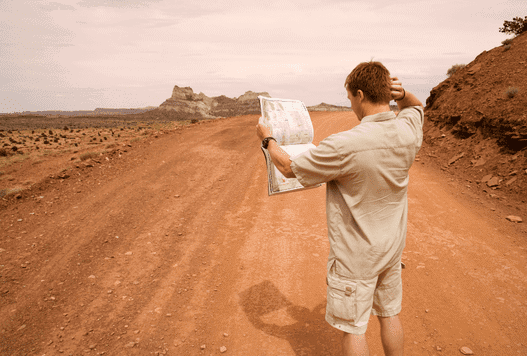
350	302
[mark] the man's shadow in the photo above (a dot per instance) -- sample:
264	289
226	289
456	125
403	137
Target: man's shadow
309	335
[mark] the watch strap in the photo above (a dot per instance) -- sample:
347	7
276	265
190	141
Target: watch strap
266	140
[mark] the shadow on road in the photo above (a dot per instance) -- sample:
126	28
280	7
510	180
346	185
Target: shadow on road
309	335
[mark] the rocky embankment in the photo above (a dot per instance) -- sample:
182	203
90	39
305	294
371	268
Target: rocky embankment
476	126
487	97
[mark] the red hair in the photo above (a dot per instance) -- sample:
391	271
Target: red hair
373	79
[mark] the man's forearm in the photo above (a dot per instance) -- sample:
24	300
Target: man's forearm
281	159
409	100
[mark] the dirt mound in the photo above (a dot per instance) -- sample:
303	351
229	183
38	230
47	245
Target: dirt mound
476	122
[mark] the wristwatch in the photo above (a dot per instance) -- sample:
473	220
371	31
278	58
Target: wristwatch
266	140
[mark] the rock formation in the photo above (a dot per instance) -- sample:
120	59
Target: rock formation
188	104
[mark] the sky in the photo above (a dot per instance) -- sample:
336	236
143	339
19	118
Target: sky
87	54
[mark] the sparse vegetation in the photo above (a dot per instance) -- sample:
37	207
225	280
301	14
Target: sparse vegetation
507	47
87	155
516	26
6	192
13	158
508	41
4	152
454	69
511	92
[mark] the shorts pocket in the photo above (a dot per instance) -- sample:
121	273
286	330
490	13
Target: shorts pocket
341	298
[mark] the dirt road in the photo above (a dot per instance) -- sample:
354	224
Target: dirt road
175	248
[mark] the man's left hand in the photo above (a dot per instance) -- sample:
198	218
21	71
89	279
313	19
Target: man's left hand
262	131
396	89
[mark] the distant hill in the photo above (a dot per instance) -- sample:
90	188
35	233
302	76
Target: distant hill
328	107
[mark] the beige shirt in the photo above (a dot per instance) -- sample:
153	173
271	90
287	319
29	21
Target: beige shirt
366	170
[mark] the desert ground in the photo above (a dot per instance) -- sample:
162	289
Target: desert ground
163	241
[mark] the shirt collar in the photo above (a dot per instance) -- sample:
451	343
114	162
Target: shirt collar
383	116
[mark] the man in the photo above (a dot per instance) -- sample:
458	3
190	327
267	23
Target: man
366	171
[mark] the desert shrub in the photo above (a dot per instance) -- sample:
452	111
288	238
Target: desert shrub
4	152
508	41
516	26
511	92
6	192
87	155
454	69
507	47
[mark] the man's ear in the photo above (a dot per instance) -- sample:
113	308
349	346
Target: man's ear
360	94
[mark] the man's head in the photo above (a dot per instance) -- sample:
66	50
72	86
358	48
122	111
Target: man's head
368	87
373	79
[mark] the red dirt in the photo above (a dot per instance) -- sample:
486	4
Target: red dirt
175	248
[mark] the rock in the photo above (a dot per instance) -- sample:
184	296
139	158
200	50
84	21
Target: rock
515	219
479	162
486	178
466	351
91	347
130	344
223	349
493	182
250	95
91	277
203	347
510	181
474	69
129	253
455	158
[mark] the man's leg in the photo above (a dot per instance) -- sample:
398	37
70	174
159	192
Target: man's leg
355	345
392	335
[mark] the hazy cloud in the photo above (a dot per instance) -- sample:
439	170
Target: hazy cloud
117	3
54	6
106	51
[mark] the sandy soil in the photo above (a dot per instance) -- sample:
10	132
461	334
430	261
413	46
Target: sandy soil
172	246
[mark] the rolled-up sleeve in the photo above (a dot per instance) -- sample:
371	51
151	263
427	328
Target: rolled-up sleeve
317	165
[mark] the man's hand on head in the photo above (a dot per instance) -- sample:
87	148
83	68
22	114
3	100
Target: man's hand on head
396	89
403	98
